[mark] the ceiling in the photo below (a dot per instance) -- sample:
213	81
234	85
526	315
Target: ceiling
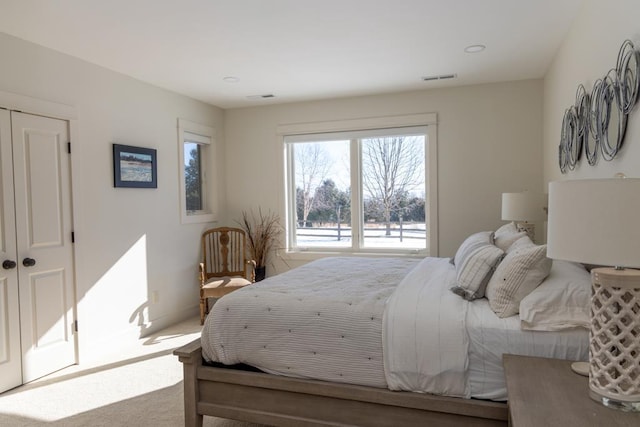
299	49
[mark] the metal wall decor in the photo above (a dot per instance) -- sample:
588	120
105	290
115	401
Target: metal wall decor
583	102
597	123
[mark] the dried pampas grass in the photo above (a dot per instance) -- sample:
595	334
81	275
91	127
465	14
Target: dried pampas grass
263	231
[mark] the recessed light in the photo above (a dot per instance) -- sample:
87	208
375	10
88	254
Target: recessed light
475	48
231	79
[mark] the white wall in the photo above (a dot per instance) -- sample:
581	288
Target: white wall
588	52
129	242
489	142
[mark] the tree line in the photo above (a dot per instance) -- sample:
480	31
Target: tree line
391	172
331	205
392	167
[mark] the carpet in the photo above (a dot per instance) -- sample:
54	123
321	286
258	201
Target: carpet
142	387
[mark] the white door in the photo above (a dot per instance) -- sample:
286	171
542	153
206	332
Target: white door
42	189
10	353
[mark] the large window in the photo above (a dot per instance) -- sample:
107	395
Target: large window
196	150
361	191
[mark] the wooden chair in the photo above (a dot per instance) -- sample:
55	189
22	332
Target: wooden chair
224	265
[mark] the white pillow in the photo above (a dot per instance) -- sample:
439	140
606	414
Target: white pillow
562	301
524	267
508	234
471	241
475	261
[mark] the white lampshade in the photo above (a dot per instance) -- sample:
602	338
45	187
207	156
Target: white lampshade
595	221
524	206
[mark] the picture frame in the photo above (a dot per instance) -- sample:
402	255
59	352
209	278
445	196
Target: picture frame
134	167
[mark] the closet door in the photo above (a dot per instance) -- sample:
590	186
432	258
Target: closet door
10	353
42	188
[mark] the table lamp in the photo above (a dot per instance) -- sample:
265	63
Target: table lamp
595	221
524	208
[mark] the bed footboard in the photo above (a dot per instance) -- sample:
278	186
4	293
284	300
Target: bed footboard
282	401
191	357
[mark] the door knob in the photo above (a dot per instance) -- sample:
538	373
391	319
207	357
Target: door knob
8	264
28	262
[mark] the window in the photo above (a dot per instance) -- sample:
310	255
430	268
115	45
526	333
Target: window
197	200
362	191
193	174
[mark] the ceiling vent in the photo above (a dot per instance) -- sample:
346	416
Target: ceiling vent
440	77
266	96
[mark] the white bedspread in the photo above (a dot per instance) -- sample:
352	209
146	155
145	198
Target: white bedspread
322	320
380	322
424	338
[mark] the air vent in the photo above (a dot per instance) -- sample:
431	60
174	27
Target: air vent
440	77
266	96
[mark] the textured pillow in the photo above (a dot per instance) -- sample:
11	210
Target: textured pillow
475	262
562	301
524	267
476	239
507	234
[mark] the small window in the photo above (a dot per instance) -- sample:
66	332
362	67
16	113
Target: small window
197	200
193	176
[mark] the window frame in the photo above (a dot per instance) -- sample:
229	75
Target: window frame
190	132
291	133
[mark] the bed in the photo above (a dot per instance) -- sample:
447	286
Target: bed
367	341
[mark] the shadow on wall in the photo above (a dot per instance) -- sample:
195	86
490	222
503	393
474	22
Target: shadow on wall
142	315
120	296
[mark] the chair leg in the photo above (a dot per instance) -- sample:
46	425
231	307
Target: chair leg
202	310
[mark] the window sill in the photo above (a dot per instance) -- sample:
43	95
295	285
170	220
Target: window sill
196	218
310	255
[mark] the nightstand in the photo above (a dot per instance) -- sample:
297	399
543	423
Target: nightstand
547	393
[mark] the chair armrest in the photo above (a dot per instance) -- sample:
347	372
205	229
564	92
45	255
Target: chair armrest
201	273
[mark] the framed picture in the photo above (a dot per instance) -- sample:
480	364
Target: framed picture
134	167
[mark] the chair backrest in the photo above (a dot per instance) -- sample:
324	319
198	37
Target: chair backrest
224	252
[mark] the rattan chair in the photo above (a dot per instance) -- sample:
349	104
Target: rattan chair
224	267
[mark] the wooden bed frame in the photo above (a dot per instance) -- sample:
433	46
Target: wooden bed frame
282	401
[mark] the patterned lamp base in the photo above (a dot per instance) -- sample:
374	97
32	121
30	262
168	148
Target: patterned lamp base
614	348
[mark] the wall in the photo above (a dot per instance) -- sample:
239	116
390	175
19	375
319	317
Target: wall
588	52
489	142
129	242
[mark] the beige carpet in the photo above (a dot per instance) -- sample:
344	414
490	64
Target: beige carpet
140	387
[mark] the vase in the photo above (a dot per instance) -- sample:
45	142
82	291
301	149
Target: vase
261	272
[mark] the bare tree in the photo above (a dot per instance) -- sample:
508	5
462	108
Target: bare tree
312	164
391	166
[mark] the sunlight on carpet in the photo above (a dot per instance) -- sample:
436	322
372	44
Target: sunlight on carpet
67	397
142	388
